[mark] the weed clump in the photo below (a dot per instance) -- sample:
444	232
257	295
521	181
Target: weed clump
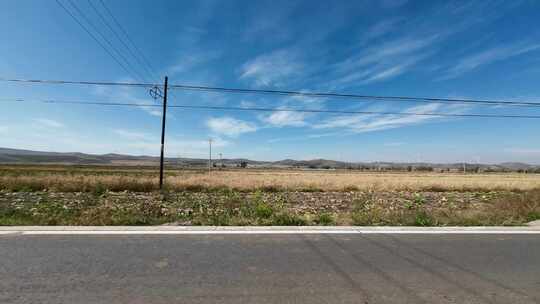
324	219
263	210
288	219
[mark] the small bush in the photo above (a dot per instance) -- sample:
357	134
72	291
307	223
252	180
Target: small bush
263	210
99	189
368	218
533	216
350	188
423	219
324	219
360	205
286	219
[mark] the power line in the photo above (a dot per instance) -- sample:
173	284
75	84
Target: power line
93	36
293	93
137	74
144	62
351	96
132	72
100	83
144	59
273	109
132	49
104	20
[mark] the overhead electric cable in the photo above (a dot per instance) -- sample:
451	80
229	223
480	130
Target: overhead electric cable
99	83
131	72
274	109
93	36
293	93
126	46
122	29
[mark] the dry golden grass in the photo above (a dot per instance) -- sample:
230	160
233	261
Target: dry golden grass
24	178
330	181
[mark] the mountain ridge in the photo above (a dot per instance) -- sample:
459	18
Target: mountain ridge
22	156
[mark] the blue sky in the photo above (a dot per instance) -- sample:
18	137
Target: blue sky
457	49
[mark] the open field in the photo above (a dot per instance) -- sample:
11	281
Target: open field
92	195
88	178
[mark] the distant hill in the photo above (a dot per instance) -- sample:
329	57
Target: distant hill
16	156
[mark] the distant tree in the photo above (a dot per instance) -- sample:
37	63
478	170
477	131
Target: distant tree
243	164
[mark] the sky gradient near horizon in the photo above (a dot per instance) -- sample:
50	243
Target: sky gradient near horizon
448	49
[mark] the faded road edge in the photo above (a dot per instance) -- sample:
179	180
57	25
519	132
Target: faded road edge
126	230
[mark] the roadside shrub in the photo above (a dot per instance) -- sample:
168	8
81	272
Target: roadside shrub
15	216
368	218
533	216
516	207
422	218
361	204
263	210
324	219
286	219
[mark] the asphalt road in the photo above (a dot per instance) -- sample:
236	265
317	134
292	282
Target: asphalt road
270	269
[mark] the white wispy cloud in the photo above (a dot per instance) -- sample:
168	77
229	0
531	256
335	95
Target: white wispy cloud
375	122
229	126
285	119
45	122
489	56
306	100
272	69
190	60
381	28
388	72
384	61
247	104
390	50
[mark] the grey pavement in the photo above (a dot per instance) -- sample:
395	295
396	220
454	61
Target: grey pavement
280	268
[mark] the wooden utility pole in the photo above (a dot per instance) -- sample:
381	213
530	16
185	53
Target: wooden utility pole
210	155
163	133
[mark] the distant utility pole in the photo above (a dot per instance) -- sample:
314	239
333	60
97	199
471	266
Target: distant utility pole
220	160
162	131
210	155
